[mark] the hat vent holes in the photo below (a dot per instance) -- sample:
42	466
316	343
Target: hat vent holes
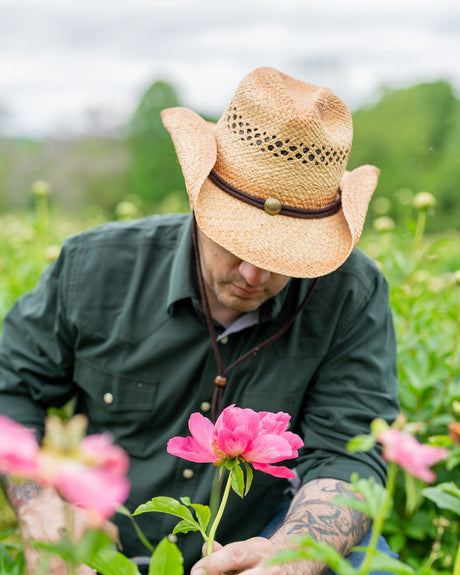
301	152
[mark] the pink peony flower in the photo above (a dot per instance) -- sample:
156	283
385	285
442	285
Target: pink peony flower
100	451
18	449
258	438
414	457
92	488
89	471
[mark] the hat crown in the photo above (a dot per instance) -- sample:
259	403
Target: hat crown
281	137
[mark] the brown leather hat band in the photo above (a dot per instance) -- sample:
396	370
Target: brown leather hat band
272	205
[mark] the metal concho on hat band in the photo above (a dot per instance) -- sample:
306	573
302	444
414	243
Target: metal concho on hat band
273	206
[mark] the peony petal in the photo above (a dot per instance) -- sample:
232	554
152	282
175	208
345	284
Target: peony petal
233	443
414	457
202	430
100	451
188	448
18	449
95	490
237	418
273	422
280	471
293	439
269	449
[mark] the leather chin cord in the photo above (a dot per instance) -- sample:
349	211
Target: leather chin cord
220	380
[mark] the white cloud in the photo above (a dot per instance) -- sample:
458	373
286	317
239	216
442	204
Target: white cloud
58	59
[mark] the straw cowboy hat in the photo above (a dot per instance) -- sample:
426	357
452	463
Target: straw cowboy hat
268	181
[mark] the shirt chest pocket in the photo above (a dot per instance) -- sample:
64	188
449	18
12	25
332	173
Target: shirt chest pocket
122	405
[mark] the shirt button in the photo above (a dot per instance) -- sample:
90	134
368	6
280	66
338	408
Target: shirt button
205	406
108	398
224	339
188	473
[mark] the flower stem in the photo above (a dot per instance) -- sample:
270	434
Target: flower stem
69	522
220	512
457	563
380	519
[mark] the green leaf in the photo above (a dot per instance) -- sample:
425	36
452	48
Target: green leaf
445	495
166	505
310	548
352	502
414	497
122	510
91	543
186	526
361	443
6	561
237	479
109	562
249	477
203	512
166	560
62	550
373	495
7	532
383	562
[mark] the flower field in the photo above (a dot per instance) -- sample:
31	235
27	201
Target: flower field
424	277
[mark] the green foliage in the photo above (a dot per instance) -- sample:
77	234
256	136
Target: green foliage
12	560
173	507
166	560
154	171
445	495
425	298
413	136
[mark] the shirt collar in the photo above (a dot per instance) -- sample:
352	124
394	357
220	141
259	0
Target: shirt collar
181	279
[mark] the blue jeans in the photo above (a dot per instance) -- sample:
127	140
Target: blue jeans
355	557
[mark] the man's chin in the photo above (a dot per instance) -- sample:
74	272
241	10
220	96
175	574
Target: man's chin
241	305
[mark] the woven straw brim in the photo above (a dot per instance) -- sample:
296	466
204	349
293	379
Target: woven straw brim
284	245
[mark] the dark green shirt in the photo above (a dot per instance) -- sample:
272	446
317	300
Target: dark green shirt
116	323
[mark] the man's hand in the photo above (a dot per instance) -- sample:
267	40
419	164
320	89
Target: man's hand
312	512
245	557
41	517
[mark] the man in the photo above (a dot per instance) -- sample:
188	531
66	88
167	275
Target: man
263	303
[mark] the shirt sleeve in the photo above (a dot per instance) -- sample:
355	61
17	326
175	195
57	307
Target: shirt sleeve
355	383
36	357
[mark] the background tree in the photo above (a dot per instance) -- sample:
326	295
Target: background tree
154	172
413	136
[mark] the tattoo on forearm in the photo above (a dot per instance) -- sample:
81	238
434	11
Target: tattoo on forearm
19	493
324	520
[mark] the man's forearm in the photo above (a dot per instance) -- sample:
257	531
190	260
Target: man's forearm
314	513
18	493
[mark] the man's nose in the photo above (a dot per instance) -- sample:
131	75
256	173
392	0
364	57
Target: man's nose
253	275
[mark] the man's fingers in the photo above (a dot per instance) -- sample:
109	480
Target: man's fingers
215	547
239	557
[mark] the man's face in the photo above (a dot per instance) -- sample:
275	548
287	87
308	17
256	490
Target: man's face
233	286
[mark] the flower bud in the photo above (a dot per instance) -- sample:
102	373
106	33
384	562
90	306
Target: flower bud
424	200
454	431
378	426
383	224
126	211
41	189
52	253
381	205
456	407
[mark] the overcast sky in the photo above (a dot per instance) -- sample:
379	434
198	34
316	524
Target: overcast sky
61	58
